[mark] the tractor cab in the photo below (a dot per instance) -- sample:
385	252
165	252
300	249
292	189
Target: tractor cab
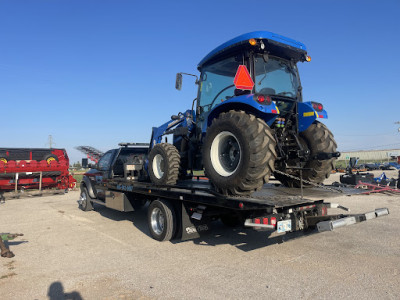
261	66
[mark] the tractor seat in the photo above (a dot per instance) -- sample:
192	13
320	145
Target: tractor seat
268	91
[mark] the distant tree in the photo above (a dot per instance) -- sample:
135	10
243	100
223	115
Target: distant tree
77	165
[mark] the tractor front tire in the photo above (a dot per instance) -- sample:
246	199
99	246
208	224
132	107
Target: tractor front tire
238	153
164	163
319	139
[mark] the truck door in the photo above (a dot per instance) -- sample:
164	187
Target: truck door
104	174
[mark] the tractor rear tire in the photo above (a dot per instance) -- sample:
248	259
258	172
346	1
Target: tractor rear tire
318	138
238	153
164	161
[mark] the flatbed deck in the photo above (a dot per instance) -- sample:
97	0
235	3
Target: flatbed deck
201	191
188	208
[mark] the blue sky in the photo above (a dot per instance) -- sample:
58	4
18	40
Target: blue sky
101	72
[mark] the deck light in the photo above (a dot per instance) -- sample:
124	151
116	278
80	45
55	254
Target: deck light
252	42
308	58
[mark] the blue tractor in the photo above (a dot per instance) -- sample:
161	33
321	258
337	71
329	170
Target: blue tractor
248	121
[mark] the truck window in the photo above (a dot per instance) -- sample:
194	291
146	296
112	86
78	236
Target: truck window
129	156
105	161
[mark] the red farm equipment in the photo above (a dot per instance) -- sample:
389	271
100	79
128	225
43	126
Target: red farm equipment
91	152
34	168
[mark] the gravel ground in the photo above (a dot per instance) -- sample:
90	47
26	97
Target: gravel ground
66	253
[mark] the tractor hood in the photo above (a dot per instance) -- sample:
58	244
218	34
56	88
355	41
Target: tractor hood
272	43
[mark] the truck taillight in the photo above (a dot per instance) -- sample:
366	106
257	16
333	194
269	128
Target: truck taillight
324	211
265	221
317	106
273	221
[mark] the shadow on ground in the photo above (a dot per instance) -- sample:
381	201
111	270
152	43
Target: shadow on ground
245	239
56	292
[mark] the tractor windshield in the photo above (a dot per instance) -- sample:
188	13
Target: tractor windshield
275	76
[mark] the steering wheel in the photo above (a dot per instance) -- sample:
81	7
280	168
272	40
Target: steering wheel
223	90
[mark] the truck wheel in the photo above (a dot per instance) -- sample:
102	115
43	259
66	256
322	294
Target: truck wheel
84	202
162	220
318	138
164	162
239	153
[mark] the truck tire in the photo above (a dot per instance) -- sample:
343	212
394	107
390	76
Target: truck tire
238	153
318	138
164	163
161	219
84	202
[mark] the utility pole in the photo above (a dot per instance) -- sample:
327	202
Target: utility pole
51	141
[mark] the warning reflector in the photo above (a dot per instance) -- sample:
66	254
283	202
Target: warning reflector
243	79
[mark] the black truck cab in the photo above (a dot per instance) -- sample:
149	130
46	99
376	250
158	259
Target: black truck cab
124	163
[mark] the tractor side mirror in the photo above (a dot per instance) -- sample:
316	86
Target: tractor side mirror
178	83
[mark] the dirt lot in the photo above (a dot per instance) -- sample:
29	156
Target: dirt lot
105	254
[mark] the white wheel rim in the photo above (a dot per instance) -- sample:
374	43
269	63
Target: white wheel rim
225	153
157	166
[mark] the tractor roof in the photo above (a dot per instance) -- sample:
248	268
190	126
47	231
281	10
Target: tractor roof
287	47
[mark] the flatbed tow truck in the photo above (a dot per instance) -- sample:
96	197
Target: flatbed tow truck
119	181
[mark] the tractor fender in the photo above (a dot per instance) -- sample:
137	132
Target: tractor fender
307	115
86	182
246	103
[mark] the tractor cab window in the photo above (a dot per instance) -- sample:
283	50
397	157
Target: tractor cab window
216	83
275	76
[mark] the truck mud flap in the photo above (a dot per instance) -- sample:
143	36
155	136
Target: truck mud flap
192	224
351	219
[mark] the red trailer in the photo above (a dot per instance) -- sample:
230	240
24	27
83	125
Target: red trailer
34	168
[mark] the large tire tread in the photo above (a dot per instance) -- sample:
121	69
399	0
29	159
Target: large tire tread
172	158
262	153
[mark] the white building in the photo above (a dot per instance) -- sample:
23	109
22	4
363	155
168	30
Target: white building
371	155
